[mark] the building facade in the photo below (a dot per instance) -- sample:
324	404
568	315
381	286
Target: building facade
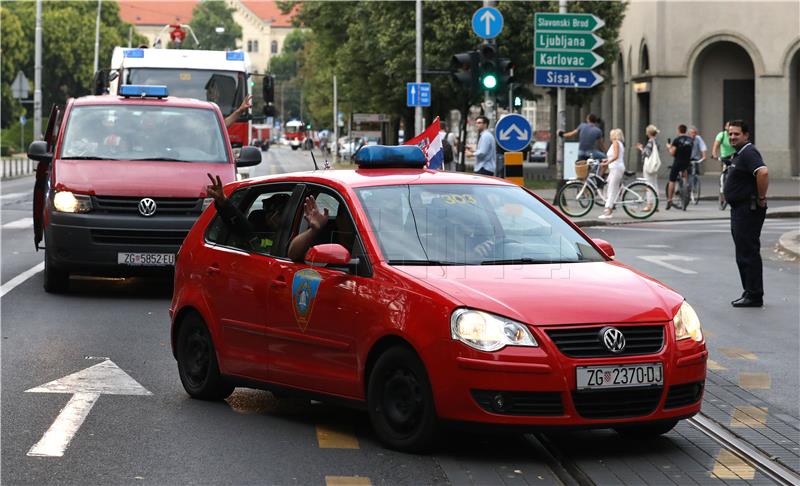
701	63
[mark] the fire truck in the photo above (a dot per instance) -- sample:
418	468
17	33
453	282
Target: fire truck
295	134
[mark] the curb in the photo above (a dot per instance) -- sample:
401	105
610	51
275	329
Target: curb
789	243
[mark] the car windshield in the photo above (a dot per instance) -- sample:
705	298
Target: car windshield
138	132
225	88
469	224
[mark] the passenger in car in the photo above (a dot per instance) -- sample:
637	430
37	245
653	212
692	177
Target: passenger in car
319	232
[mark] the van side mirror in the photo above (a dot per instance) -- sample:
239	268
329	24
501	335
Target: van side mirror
605	246
37	151
248	157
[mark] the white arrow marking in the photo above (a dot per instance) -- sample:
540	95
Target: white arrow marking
488	17
506	134
661	260
86	386
20	223
413	90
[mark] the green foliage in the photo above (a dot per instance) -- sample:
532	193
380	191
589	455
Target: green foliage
285	67
15	50
68	32
206	17
9	137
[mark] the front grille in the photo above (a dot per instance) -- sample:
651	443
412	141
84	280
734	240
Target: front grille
622	403
164	205
138	237
585	342
683	395
519	402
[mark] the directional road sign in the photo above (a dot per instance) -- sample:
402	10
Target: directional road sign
487	22
23	120
566	41
418	94
20	86
513	132
566	60
567	22
567	78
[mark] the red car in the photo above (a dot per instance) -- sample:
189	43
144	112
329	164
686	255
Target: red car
432	297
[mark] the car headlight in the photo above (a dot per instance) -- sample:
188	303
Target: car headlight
67	202
488	332
687	324
207	202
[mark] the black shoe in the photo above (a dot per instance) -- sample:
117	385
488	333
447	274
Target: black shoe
748	301
669	205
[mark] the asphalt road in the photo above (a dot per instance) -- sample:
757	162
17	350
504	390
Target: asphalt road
160	436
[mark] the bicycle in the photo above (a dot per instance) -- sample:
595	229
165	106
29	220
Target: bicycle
577	196
723	176
681	193
694	181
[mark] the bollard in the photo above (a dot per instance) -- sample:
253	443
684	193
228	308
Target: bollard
513	168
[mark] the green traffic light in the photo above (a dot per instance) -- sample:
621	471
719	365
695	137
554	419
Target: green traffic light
517	101
489	81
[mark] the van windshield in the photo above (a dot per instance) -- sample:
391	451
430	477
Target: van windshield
225	88
137	132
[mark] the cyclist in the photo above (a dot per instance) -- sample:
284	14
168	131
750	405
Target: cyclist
722	149
681	150
590	138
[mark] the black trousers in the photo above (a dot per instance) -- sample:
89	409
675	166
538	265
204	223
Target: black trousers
746	226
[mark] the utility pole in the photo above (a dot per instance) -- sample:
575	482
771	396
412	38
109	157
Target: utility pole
335	122
418	127
561	109
37	75
97	36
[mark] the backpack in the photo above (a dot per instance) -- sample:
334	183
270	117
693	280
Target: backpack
448	151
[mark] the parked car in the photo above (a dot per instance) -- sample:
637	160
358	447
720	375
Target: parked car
539	151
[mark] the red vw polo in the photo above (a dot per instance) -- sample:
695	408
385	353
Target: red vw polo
428	297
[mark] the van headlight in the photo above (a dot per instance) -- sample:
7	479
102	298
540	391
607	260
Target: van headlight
488	332
687	324
67	202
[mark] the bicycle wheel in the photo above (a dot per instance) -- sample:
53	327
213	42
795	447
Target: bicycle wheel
696	189
575	199
639	200
685	194
722	202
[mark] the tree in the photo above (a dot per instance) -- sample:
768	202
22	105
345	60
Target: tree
209	15
285	67
15	50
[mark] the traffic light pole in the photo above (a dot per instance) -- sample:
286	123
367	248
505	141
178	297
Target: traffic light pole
418	128
561	113
489	99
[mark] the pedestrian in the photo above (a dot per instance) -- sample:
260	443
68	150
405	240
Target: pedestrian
590	138
681	150
722	149
651	162
485	152
746	192
616	170
452	139
699	147
447	151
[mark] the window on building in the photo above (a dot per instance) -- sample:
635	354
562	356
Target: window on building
255	46
274	47
249	46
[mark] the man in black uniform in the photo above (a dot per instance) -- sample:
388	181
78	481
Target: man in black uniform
746	192
681	150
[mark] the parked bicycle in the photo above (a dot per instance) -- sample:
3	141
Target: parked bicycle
577	197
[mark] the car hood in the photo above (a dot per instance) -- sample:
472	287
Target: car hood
139	178
554	294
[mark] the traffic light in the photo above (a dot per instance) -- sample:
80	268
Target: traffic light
489	74
268	93
506	69
464	67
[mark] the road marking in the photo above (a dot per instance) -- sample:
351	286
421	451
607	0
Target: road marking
755	381
336	437
86	386
729	466
660	260
9	286
738	353
347	481
15	195
20	223
713	365
657	246
663	230
749	416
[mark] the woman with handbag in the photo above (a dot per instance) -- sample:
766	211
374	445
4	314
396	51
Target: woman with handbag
651	162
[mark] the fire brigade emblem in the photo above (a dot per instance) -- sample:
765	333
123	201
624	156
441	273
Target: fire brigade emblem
304	292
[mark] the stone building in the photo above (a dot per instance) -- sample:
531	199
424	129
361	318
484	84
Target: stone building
264	27
700	63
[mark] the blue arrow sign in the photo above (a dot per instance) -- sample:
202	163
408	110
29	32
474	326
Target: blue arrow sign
567	78
487	22
513	133
418	94
23	120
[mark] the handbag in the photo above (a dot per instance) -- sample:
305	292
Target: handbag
653	162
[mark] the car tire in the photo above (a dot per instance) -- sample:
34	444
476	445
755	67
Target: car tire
646	431
294	147
197	362
400	401
56	280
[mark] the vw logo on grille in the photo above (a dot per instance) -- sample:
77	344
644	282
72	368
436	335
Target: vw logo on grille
147	207
613	339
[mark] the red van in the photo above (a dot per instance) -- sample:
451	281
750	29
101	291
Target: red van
121	180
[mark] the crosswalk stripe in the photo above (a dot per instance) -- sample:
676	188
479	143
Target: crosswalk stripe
347	481
755	381
749	416
738	353
20	223
729	466
338	436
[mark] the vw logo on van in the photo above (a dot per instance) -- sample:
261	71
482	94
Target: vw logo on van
613	339
147	207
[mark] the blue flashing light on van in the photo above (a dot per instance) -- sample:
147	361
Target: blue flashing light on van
234	56
140	91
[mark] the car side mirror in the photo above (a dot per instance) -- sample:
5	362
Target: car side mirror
331	255
38	151
605	246
248	157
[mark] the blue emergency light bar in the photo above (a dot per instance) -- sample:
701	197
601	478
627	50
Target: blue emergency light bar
234	56
133	53
386	157
140	91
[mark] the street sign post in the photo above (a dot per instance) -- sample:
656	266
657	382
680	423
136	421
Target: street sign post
567	78
566	60
513	132
487	22
418	94
563	22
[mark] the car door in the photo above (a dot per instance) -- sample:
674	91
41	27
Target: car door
237	276
315	313
43	170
